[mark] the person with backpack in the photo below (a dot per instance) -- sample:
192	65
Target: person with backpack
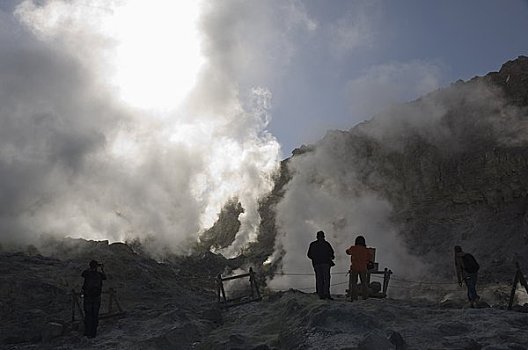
467	270
361	260
322	255
91	290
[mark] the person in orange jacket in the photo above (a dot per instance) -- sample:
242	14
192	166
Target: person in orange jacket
360	256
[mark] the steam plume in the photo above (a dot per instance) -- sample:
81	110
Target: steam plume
77	160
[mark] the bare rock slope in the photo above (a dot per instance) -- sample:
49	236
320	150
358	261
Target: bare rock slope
453	165
164	303
170	306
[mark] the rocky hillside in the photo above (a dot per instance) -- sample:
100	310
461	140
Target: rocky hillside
170	305
453	165
165	303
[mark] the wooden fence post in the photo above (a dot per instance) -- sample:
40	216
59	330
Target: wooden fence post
116	301
110	299
222	290
113	302
218	280
253	285
386	279
349	294
73	305
519	277
76	302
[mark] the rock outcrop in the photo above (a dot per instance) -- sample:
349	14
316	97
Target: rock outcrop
164	302
453	165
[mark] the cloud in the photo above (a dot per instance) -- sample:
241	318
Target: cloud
251	41
326	193
344	189
384	85
60	174
77	160
246	43
356	29
463	116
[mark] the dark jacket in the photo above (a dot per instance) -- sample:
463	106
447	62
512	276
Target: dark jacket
93	283
321	252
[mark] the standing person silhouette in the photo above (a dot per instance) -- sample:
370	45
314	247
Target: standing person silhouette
467	270
92	287
322	255
360	256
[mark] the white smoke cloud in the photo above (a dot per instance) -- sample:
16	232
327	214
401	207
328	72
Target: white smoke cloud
387	84
337	188
325	194
251	42
453	119
357	28
77	159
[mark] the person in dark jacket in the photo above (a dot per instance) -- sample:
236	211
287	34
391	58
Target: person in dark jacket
467	270
322	255
91	289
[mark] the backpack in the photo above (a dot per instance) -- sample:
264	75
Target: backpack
470	264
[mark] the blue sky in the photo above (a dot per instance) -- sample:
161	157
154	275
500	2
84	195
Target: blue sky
452	39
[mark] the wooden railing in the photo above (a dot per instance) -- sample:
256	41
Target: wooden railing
221	293
519	277
113	306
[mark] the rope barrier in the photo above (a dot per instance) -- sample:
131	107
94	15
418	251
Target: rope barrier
307	288
396	282
420	282
377	276
411	288
372	276
395	279
305	274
